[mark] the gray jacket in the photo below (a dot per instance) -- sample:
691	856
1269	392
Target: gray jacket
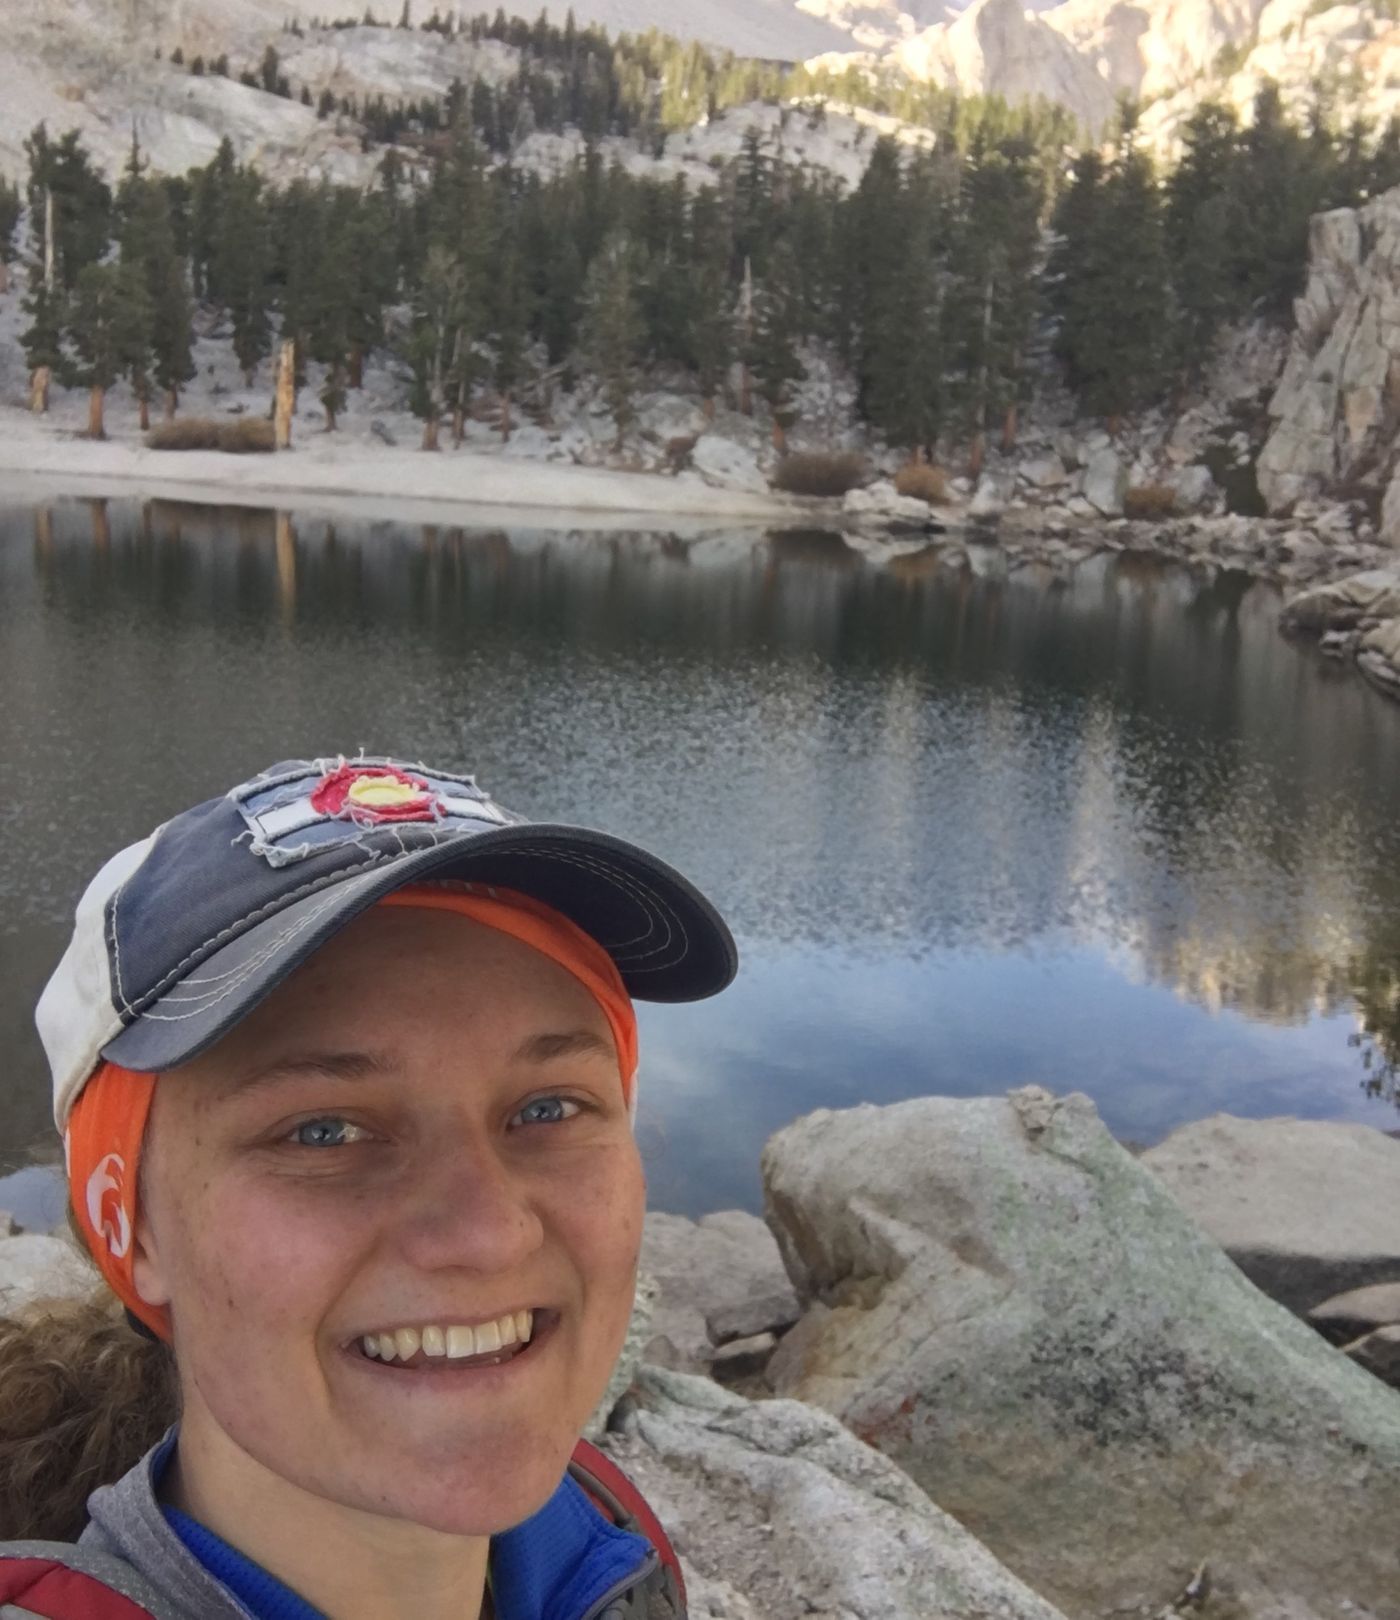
130	1547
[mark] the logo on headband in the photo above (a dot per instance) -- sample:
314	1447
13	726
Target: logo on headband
335	801
106	1204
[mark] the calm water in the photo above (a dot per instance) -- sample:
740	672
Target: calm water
1114	835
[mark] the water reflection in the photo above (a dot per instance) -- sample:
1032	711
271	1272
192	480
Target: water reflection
971	828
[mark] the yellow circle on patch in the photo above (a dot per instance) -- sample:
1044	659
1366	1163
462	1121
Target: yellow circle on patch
377	792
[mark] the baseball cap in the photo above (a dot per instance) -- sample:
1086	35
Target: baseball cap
183	933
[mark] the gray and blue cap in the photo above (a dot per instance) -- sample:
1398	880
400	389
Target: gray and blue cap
180	935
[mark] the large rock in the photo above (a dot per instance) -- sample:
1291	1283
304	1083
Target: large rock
1374	594
718	1264
779	1503
1332	407
1306	1209
35	1265
727	465
1105	481
1023	1317
882	502
639	1336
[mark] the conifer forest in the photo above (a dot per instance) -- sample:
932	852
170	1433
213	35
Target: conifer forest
947	279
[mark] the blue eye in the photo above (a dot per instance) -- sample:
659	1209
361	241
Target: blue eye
329	1132
546	1111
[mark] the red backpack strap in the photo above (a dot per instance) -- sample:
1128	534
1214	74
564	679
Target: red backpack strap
619	1500
47	1587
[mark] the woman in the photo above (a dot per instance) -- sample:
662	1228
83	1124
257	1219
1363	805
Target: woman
345	1067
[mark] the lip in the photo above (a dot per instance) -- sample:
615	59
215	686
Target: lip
442	1376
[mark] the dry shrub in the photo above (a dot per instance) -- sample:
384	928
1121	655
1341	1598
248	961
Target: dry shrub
248	435
819	472
923	481
1150	501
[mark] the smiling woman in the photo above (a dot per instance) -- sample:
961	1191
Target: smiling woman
345	1063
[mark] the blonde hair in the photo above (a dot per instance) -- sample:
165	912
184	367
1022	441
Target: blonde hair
82	1398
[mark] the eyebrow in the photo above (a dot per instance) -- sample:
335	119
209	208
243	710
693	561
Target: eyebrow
546	1048
571	1043
336	1065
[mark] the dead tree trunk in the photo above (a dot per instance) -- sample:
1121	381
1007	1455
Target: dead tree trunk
284	400
430	432
39	380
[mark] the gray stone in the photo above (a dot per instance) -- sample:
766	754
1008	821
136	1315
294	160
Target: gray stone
1379	1354
996	489
743	1358
1105	481
1361	1310
784	1506
703	1267
381	432
1305	1208
884	504
727	465
1328	409
1345	602
39	1266
639	1336
1023	1318
1194	487
1043	472
9	1226
761	1313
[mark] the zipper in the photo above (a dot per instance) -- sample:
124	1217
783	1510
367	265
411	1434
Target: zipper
627	1584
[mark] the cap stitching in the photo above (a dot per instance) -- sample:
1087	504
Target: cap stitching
244	972
271	909
663	913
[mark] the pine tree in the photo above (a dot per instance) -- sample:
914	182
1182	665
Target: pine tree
1110	285
1201	223
10	208
991	303
434	338
509	322
610	337
1278	186
241	269
64	186
107	322
42	339
145	232
773	357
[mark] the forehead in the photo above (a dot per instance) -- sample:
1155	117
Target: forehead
401	976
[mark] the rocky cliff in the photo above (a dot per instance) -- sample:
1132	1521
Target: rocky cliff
1337	406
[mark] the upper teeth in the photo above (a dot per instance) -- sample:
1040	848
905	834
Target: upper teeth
455	1341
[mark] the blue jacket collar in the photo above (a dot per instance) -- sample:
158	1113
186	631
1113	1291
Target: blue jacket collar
559	1565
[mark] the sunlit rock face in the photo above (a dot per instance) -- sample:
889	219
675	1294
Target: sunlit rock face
1334	407
1014	1309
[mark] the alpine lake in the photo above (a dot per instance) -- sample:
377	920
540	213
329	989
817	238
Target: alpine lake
1107	832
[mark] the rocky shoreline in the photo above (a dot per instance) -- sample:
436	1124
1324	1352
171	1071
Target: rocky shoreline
983	1363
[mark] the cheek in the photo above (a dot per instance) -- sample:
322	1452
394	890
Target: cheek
602	1226
256	1258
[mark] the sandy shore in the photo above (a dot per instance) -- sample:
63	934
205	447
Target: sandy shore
330	472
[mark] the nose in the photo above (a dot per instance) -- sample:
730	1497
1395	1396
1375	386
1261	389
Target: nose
469	1209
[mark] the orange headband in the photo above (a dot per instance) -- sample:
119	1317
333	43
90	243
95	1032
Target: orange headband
102	1143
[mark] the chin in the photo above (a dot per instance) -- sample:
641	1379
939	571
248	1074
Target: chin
482	1484
469	1502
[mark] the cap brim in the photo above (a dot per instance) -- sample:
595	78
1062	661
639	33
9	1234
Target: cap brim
668	941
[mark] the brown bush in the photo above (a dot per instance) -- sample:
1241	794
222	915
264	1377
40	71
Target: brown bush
249	435
1150	501
819	472
923	481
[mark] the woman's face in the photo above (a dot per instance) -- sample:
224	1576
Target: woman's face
423	1131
